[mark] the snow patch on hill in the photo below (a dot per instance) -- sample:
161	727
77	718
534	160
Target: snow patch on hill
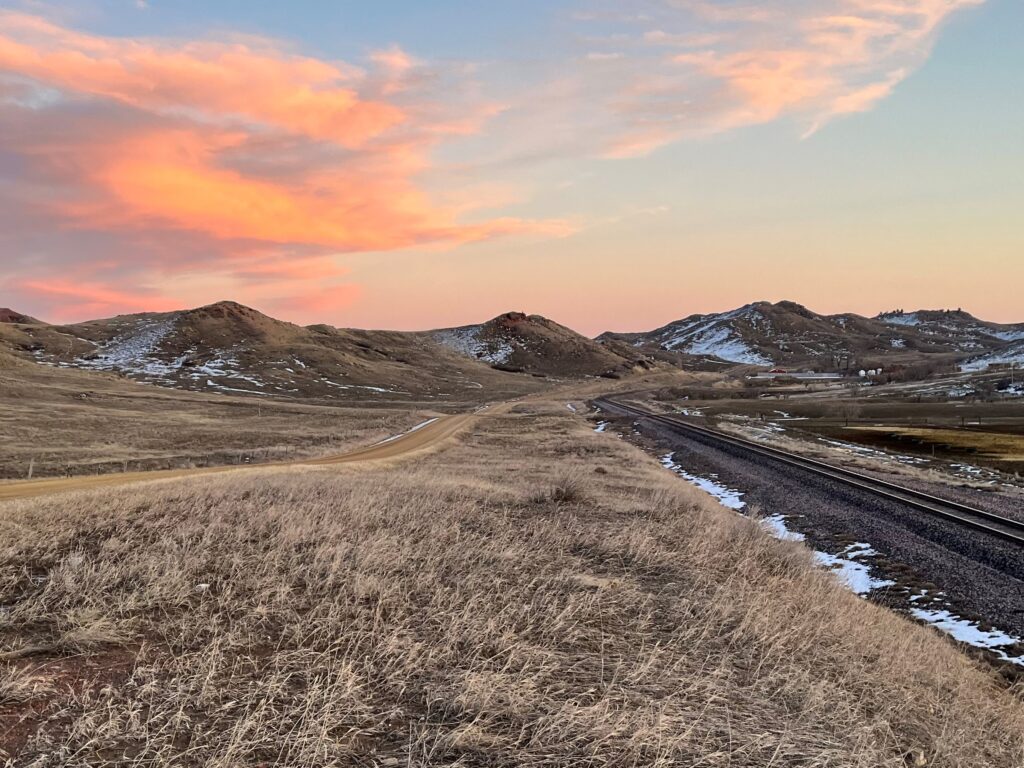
1014	356
908	320
135	351
466	341
1009	335
716	336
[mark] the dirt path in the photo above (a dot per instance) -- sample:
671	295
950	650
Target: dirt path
427	436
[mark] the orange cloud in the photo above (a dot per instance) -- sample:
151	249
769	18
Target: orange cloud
172	178
265	86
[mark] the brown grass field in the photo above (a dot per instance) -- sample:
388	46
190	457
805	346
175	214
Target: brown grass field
61	422
532	594
1000	450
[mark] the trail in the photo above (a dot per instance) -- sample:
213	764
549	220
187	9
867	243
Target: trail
401	446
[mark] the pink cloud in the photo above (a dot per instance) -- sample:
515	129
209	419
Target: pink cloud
70	300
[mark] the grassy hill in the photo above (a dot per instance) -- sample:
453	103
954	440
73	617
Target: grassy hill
233	349
535	344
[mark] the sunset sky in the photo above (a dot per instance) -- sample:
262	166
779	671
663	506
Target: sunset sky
613	165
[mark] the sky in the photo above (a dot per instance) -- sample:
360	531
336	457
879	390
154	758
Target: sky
612	164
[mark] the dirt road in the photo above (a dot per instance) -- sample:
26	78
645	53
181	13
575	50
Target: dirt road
419	439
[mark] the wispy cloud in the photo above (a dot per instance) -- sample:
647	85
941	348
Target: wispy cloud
698	67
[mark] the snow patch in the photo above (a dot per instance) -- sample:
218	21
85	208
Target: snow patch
850	571
134	352
466	341
1016	335
970	632
716	336
1014	357
909	320
727	497
776	525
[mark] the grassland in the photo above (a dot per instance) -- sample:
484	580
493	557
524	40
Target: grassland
535	594
60	422
1001	450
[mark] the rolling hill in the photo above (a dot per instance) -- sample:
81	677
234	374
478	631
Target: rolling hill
786	333
533	344
232	349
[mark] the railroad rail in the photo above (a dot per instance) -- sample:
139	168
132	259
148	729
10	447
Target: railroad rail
961	514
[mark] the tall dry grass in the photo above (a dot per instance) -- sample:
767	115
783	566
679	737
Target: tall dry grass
462	610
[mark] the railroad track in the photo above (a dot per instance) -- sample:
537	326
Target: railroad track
961	514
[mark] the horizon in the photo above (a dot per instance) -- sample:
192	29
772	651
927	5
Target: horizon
588	333
411	167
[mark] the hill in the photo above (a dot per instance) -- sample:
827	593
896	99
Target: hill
787	333
10	316
230	348
984	342
533	344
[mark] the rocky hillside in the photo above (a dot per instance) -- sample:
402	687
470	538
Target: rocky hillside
788	334
536	345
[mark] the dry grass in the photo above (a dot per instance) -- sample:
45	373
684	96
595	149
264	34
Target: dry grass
60	422
992	447
437	614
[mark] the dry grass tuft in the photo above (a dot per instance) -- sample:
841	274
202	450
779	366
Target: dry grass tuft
569	488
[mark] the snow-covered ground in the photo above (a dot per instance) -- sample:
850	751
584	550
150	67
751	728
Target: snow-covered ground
134	352
851	571
909	319
714	336
466	341
969	632
727	497
1014	356
378	390
862	450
